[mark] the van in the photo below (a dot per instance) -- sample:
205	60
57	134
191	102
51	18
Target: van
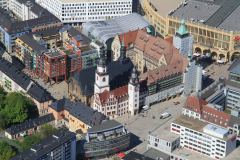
204	73
165	115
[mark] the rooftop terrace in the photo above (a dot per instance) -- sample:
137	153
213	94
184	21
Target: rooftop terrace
164	132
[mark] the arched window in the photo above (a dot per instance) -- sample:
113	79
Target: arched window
97	77
104	79
103	70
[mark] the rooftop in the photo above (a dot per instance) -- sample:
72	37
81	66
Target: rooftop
196	125
135	156
106	125
39	94
30	124
216	130
235	67
73	1
196	11
154	153
115	70
54	53
103	30
168	6
164	132
46	145
62	104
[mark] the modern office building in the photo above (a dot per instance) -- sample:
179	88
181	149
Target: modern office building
234	71
213	24
108	138
42	51
204	138
10	29
77	12
27	9
59	145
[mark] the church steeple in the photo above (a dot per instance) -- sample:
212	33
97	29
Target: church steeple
134	77
102	59
182	30
122	57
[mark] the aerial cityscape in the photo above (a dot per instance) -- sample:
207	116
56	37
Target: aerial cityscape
119	80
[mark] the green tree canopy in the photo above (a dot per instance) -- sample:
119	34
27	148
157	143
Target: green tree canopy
6	151
29	141
46	131
14	109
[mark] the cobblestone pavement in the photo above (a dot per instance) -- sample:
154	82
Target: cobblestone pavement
140	126
57	90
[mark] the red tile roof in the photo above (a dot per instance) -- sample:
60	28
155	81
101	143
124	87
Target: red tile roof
195	104
164	71
118	92
129	37
214	116
170	39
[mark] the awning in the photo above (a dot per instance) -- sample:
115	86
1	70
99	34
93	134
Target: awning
121	154
219	61
204	56
196	54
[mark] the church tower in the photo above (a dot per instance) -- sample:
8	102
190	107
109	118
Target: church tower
101	75
122	57
133	92
183	41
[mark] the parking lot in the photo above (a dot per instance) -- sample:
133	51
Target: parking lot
140	126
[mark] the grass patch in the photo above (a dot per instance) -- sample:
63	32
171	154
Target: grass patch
228	111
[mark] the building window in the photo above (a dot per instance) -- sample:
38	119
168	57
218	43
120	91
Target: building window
97	77
104	79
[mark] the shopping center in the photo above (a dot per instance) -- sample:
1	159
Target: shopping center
214	24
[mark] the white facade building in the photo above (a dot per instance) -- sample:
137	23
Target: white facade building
76	12
4	4
204	138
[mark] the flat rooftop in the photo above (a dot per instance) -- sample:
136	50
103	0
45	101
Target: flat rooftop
164	132
196	125
46	145
168	6
54	54
192	154
195	11
223	12
232	22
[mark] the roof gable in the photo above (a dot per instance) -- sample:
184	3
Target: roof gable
195	104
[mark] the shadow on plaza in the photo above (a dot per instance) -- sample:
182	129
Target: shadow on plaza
204	62
134	141
207	82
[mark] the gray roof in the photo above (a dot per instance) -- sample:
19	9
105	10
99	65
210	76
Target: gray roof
26	38
196	10
153	153
135	156
14	73
62	104
30	124
47	32
119	75
39	94
47	145
14	27
103	30
86	114
235	67
233	120
232	22
39	10
41	42
106	125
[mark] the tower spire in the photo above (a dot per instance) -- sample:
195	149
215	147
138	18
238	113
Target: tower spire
182	30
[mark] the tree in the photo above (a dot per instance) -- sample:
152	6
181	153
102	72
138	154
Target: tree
46	131
2	91
29	141
2	121
6	151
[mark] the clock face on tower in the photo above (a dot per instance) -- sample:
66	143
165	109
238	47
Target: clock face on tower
136	89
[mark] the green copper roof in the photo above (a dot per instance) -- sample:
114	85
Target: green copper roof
182	30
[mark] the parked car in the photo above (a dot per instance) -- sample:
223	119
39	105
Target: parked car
165	115
176	102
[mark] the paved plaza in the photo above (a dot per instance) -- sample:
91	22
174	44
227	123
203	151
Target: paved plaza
57	90
140	126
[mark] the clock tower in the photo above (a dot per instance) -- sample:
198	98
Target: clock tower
101	75
133	92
